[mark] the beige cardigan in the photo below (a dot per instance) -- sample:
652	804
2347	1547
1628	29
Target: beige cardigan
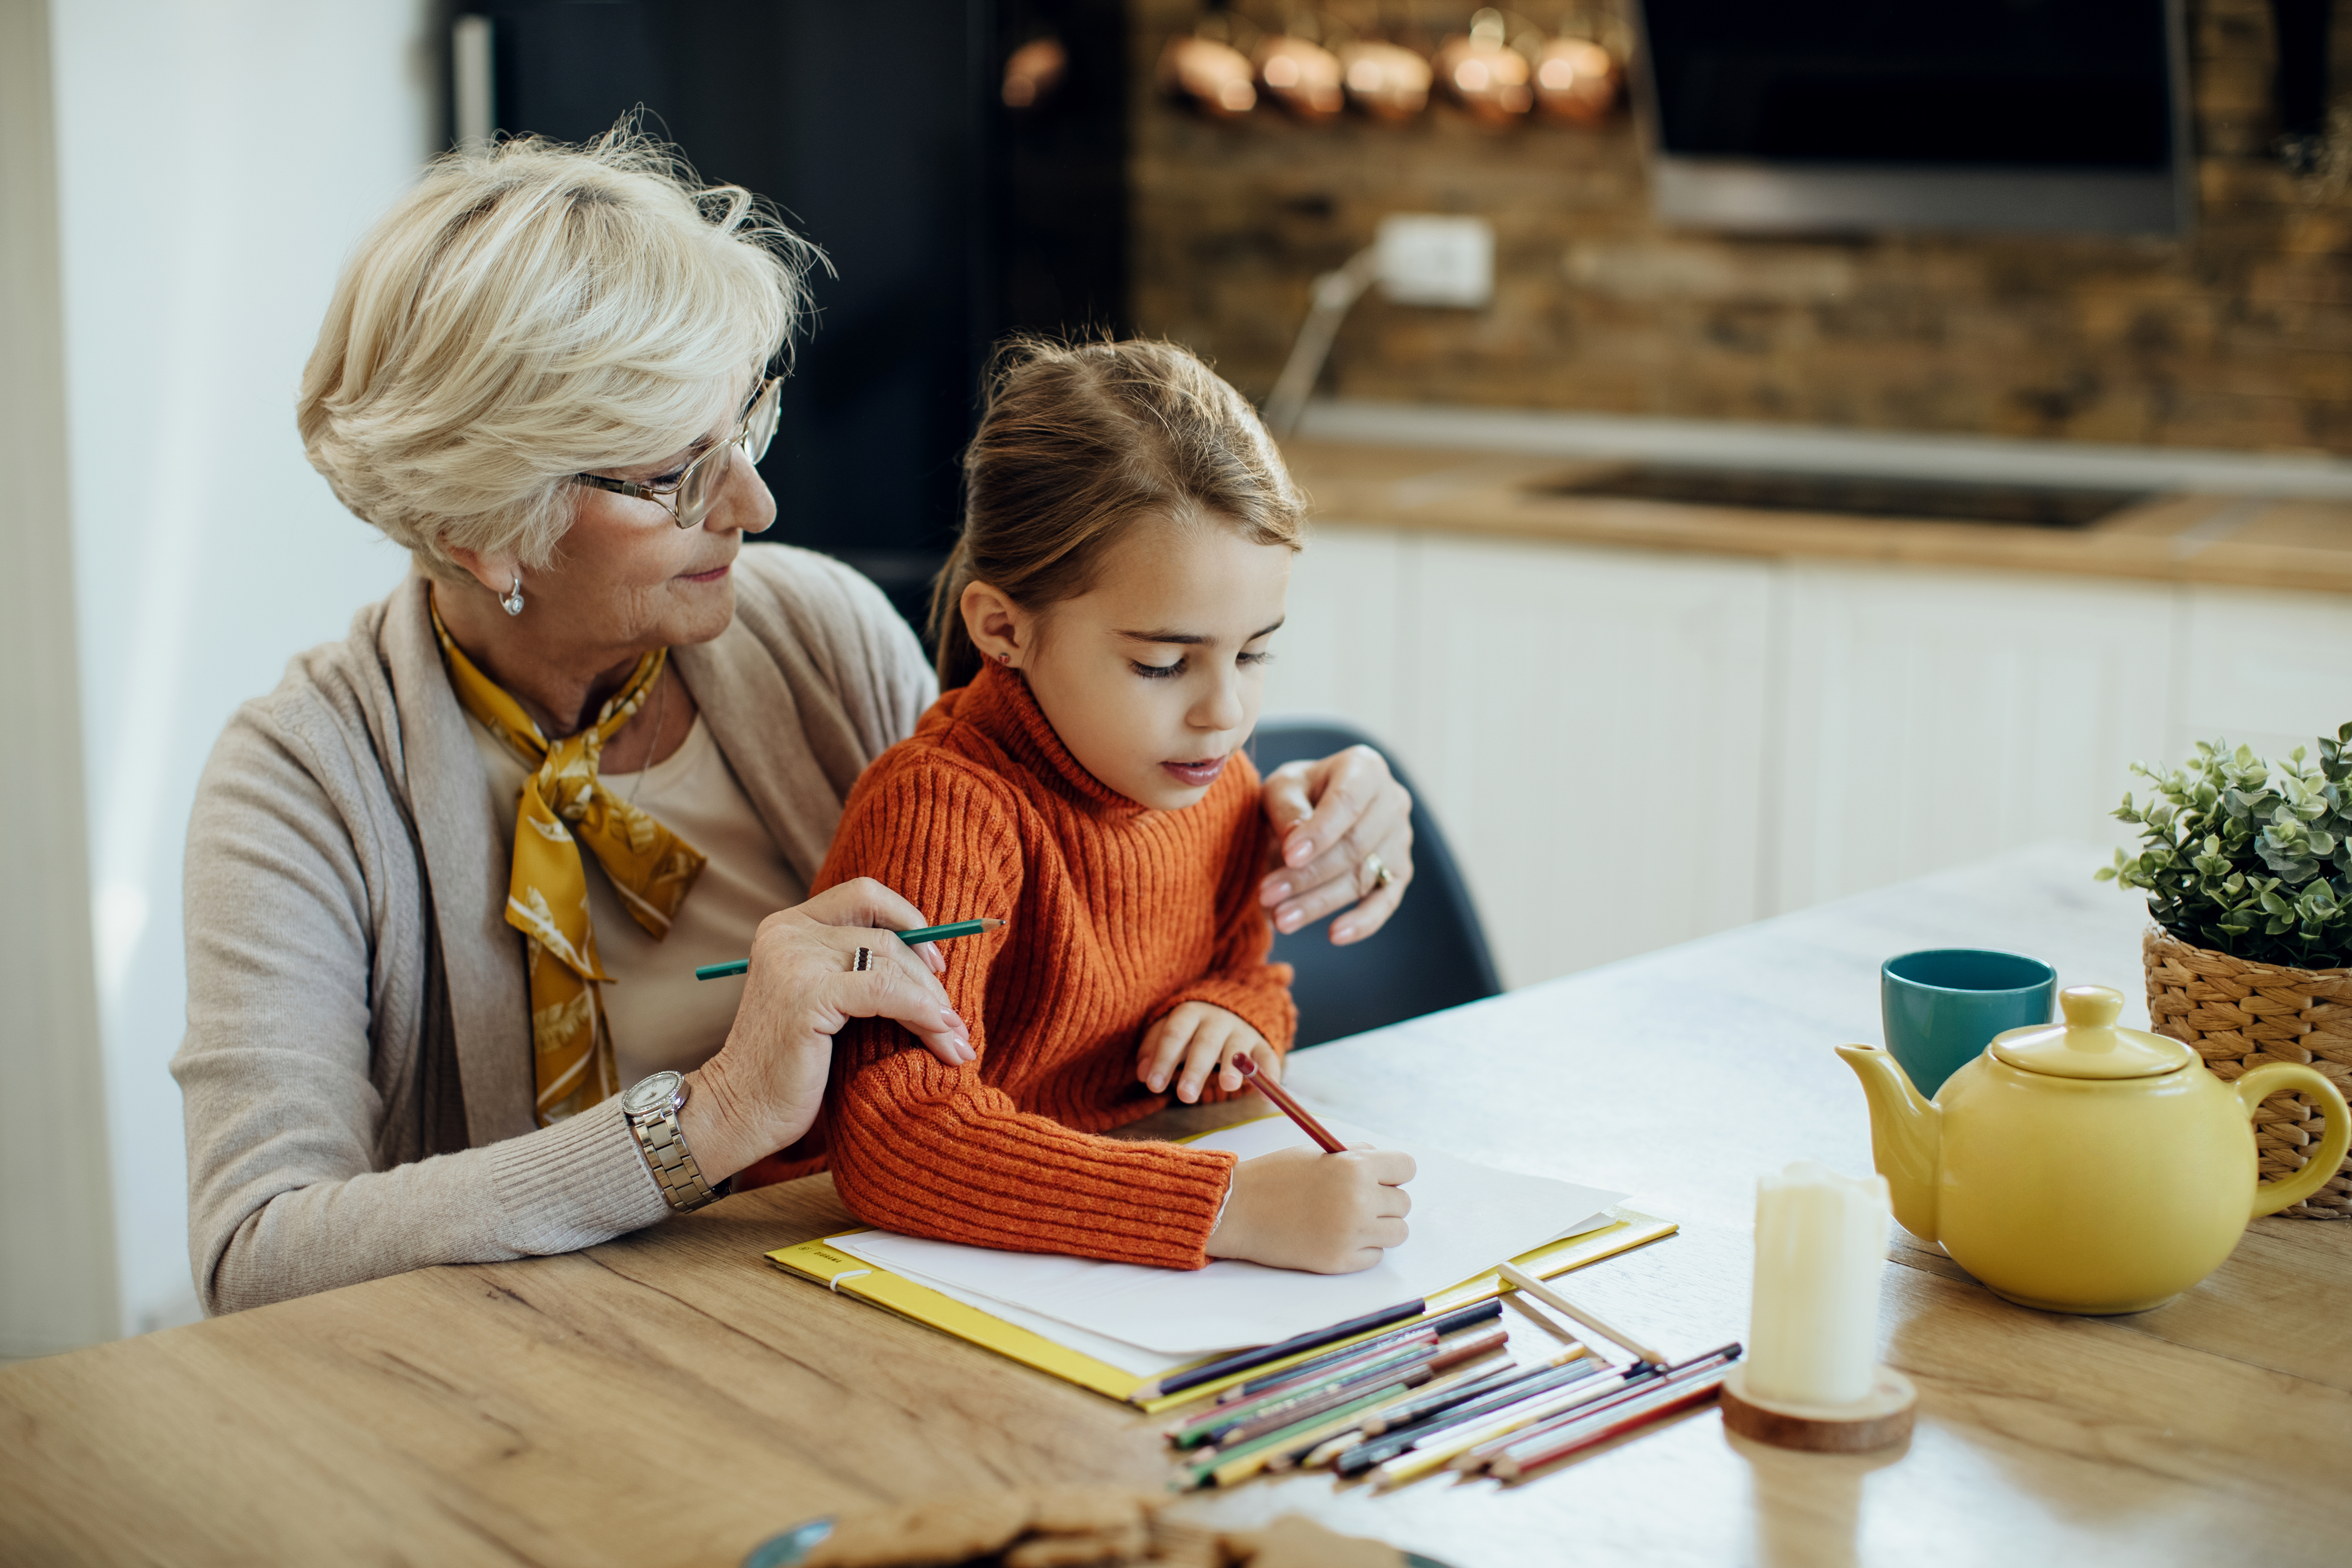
357	1069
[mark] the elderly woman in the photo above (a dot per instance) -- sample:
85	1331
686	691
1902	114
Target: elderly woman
446	886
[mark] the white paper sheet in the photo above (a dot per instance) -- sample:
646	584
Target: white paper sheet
1104	1349
1465	1218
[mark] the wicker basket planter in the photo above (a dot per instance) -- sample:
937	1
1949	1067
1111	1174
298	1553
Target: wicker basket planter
2240	1014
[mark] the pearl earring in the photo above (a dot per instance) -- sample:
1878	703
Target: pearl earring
513	600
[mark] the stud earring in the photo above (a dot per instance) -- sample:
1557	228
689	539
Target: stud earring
513	600
1005	658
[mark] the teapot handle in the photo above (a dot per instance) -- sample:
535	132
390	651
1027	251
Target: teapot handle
2278	1078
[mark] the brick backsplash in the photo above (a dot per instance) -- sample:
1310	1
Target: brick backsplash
2239	336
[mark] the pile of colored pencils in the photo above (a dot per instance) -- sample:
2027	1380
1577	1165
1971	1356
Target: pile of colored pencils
1433	1395
1402	1394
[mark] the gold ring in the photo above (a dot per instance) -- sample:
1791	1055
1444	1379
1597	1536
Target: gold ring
863	961
1382	876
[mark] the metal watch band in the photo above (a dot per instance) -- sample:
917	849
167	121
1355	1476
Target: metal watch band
672	1167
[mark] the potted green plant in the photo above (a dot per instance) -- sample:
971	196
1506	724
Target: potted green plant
2247	866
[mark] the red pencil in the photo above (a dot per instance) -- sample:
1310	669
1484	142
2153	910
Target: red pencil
1514	1464
1289	1107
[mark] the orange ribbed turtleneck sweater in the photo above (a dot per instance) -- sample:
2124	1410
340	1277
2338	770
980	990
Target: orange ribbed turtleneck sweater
1119	913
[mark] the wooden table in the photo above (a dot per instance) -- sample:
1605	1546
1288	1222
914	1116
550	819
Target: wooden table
670	1399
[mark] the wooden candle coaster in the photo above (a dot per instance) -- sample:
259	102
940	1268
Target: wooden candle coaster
1879	1420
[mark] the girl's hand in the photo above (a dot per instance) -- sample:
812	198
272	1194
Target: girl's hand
1197	1039
763	1088
1326	1213
1334	816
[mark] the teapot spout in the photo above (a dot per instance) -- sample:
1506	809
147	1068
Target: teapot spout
1907	1136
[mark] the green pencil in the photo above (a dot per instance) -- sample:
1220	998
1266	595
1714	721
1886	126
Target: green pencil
921	933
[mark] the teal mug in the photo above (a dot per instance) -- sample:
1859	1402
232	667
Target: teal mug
1942	1006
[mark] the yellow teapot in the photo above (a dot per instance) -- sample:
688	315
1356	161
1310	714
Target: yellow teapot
2080	1167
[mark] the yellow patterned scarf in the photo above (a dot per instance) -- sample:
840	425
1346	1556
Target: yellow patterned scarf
547	893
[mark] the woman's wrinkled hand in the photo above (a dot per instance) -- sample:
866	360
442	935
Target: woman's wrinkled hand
763	1088
1333	816
1326	1214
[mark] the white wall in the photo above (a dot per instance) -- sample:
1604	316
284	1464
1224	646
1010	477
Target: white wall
57	1232
216	161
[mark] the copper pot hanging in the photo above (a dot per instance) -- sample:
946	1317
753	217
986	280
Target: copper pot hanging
1577	80
1211	74
1484	73
1387	81
1302	75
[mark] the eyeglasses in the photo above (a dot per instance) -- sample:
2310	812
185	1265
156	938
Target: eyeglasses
688	497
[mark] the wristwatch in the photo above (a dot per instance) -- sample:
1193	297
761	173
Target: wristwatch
651	1106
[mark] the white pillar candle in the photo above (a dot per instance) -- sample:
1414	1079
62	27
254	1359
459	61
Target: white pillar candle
1821	1242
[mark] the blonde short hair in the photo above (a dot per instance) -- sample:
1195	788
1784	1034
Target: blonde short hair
535	311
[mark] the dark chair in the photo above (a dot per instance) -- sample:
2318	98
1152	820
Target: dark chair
1432	953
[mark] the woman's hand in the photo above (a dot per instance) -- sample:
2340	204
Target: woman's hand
1326	1213
1333	814
1200	1038
761	1091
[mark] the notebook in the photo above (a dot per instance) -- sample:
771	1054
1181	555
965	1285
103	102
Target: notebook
1465	1217
1114	1367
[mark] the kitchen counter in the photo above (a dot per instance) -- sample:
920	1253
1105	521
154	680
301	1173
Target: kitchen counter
2219	538
1819	703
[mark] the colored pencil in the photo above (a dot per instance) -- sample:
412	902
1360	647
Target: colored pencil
1527	1308
1519	1279
1436	1450
1466	1348
1415	1367
1253	1457
1235	1462
1443	1324
1410	1377
1488	1343
1395	1440
1289	1105
1323	1454
1321	1369
1698	1369
1282	1384
1213	1426
1510	1391
1241	1361
923	933
1515	1463
1436	1400
1326	1453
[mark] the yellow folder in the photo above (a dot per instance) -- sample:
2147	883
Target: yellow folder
847	1276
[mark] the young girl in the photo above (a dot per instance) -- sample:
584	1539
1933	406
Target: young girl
1102	631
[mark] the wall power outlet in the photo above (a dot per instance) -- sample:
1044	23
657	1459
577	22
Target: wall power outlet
1426	258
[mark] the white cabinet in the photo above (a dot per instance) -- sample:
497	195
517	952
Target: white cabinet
1338	651
1630	749
1929	718
1589	726
2267	668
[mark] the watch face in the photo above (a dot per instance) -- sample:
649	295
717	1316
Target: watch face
651	1096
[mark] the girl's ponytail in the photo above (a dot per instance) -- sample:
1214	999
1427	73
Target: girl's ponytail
1077	443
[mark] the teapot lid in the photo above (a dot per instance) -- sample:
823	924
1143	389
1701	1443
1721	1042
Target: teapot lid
2088	1044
